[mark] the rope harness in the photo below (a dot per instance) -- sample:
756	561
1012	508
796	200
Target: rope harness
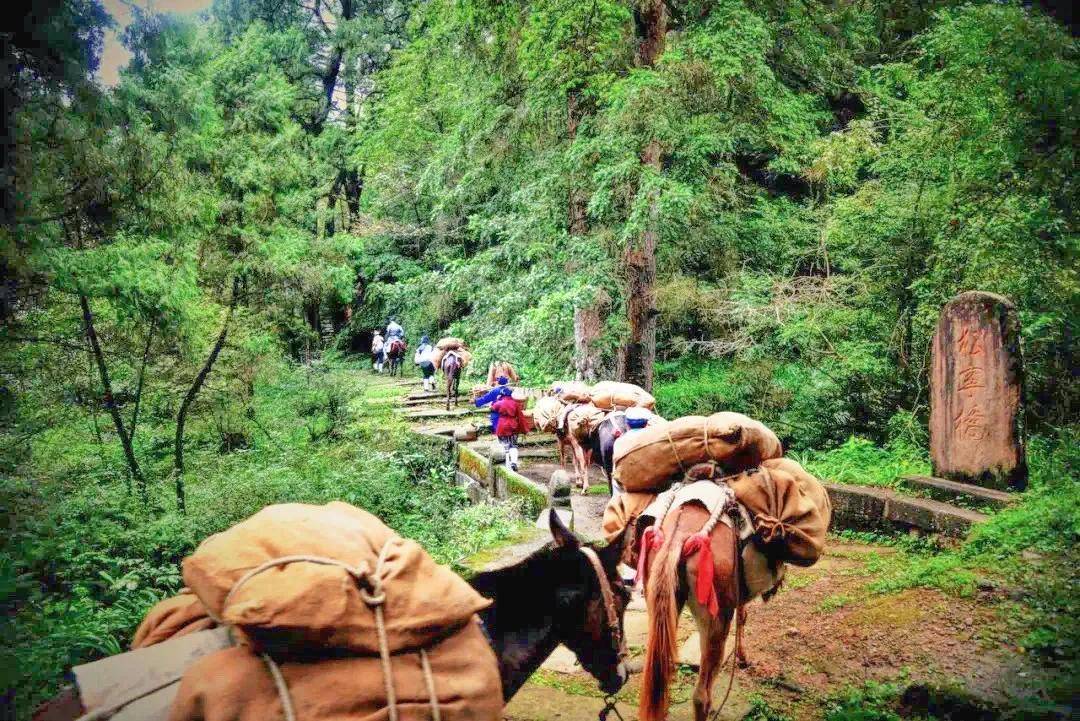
611	614
372	594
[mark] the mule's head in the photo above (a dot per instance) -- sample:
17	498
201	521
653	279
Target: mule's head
583	621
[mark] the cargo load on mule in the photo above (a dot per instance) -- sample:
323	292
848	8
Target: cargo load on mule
660	454
582	420
612	395
451	345
322	613
788	507
354	617
572	391
545	413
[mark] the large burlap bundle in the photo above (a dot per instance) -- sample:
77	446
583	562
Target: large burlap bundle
450	343
545	413
611	395
304	604
501	368
236	685
176	616
790	508
653	458
584	419
572	391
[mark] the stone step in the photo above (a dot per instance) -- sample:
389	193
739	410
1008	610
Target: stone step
941	489
418	396
866	507
524	452
459	412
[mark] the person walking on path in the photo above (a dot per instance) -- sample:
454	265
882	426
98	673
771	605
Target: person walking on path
423	359
502	388
511	423
377	346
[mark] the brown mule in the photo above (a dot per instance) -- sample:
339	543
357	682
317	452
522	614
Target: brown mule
671	579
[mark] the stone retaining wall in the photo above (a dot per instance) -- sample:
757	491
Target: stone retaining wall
484	478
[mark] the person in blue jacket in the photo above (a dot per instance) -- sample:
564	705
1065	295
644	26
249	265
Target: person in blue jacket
502	388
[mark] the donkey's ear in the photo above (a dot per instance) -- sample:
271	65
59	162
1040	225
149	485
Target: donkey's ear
612	553
562	535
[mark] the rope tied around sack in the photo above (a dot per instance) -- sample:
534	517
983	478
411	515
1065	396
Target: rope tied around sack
768	528
373	595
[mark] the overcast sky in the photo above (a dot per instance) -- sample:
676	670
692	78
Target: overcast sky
115	55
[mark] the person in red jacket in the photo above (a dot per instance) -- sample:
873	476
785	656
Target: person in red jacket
512	422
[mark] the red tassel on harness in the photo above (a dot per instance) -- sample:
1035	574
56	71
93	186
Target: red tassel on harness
653	538
706	591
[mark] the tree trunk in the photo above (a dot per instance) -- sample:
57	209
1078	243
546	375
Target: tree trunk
142	376
638	355
587	331
110	403
193	391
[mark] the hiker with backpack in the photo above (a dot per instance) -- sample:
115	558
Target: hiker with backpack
423	359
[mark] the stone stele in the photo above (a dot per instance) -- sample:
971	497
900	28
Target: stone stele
975	393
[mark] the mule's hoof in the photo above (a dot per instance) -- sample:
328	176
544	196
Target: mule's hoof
743	663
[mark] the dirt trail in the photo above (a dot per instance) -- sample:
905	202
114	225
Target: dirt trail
823	633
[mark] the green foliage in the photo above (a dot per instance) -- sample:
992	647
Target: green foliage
760	710
861	462
872	702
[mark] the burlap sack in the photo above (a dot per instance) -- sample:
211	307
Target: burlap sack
236	685
450	343
572	391
790	507
176	616
611	395
501	368
652	459
308	605
622	509
583	420
545	413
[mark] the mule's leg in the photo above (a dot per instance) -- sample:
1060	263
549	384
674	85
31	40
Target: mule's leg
740	650
583	469
712	633
586	462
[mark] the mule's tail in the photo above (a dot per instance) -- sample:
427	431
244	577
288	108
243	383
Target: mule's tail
663	609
